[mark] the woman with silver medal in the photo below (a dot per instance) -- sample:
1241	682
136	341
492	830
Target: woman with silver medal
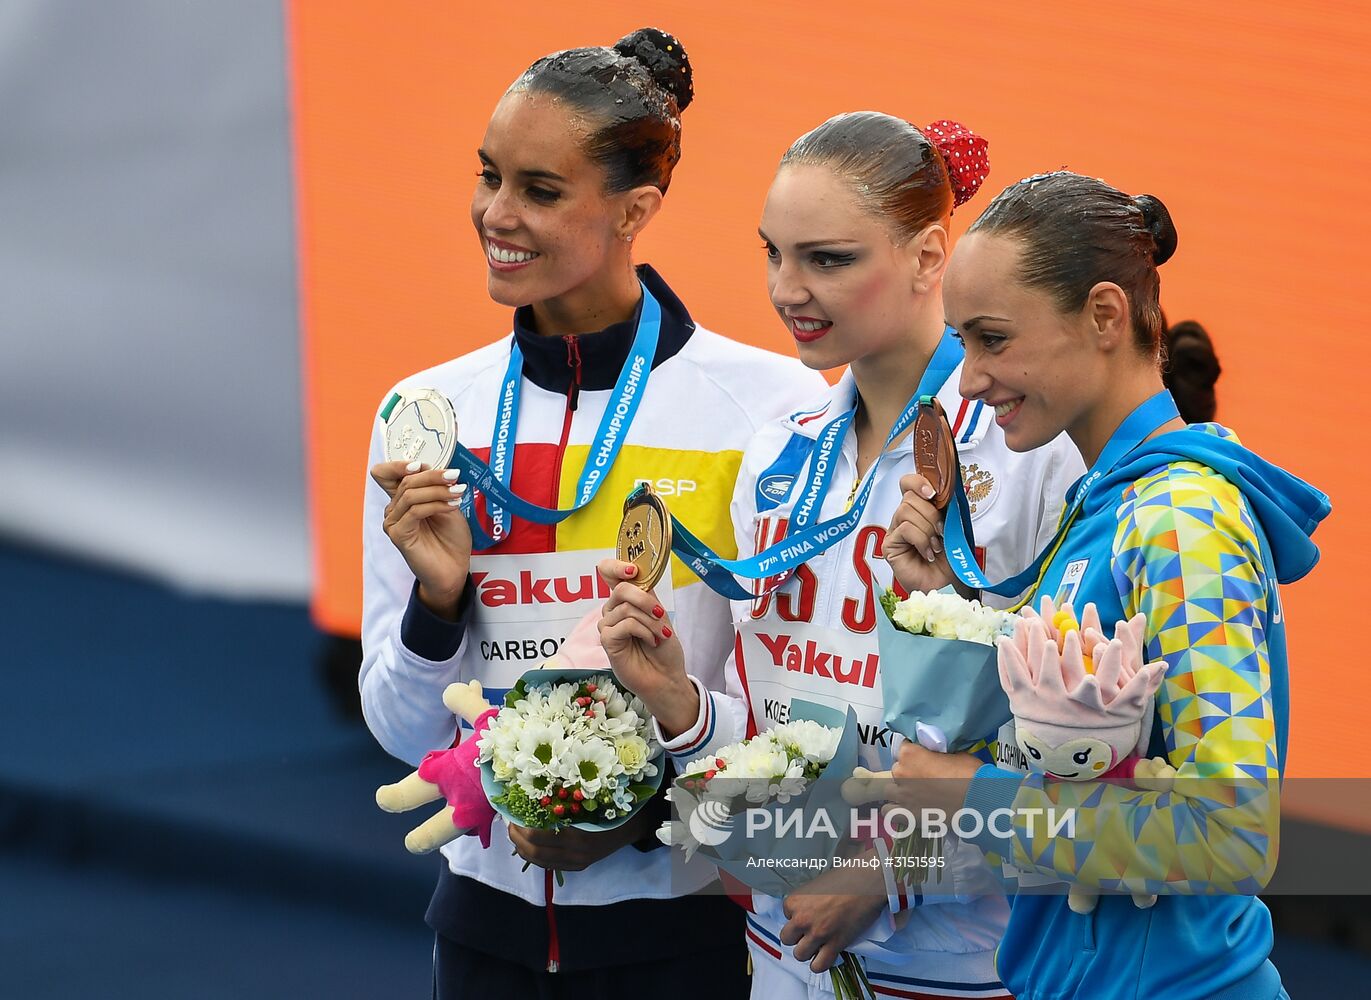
855	230
478	564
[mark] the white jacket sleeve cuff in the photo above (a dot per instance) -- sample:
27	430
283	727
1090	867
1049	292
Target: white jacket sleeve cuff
691	743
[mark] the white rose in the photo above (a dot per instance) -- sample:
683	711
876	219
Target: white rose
632	751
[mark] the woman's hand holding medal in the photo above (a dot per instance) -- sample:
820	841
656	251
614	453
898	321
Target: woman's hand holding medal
635	630
914	541
423	520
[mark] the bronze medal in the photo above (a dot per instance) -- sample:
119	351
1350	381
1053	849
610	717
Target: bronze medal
645	536
935	451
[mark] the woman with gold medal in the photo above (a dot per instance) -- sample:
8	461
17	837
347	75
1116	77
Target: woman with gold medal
479	571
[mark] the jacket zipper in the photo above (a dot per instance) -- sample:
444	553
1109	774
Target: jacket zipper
573	361
573	394
554	951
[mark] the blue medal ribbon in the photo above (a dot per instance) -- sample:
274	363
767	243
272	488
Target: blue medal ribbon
493	479
802	542
1137	427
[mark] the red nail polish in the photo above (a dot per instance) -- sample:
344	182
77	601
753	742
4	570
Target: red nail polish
630	570
658	611
666	631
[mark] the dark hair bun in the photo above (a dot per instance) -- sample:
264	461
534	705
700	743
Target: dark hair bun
1191	370
1159	224
665	59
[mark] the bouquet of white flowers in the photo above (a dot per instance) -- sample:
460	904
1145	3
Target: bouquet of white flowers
939	671
727	809
570	748
940	682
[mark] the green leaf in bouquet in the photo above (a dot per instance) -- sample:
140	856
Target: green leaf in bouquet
516	694
888	601
641	792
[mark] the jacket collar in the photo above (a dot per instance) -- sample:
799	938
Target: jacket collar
548	360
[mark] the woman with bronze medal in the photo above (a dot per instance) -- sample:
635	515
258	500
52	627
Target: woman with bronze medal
478	564
1055	290
855	231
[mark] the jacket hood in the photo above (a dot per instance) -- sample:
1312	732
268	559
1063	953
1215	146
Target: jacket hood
1286	507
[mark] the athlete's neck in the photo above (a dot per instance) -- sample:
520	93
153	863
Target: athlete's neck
607	298
1126	393
886	380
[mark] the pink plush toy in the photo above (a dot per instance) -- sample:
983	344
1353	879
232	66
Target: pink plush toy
454	775
1082	704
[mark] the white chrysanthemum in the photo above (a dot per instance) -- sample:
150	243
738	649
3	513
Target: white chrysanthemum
909	615
539	745
590	764
759	763
558	702
948	616
789	785
808	740
941	625
674	833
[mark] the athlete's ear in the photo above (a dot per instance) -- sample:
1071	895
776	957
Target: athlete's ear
638	206
927	252
1107	316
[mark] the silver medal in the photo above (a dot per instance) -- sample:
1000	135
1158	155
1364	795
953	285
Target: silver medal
420	427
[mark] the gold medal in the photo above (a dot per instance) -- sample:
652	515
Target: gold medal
935	451
645	536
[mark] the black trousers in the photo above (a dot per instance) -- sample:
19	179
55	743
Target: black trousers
460	973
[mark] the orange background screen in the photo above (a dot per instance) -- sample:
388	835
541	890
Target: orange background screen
1248	120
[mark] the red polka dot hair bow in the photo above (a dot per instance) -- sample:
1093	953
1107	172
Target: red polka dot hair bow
965	154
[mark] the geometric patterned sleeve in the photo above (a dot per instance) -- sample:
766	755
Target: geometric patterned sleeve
1187	556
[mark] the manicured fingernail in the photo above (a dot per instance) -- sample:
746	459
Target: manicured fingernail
452	474
412	467
656	641
458	488
454	503
937	544
630	570
666	631
658	611
927	492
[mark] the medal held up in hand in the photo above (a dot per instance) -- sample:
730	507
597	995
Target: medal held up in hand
645	536
420	427
935	451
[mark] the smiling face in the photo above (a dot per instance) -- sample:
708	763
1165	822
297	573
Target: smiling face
1075	760
1040	368
546	226
842	288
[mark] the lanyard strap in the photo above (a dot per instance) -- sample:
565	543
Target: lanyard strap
802	541
1137	427
493	479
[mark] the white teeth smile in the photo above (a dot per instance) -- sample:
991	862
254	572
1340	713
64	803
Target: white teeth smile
1004	409
809	326
508	256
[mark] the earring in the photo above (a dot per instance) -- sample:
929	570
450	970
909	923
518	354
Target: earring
628	238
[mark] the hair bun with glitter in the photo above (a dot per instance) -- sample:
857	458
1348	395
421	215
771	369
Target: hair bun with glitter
965	153
665	59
